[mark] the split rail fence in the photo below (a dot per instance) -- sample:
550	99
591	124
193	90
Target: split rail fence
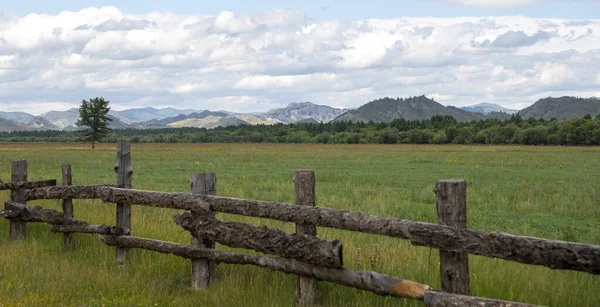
302	253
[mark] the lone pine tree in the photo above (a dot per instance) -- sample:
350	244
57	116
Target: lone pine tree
92	114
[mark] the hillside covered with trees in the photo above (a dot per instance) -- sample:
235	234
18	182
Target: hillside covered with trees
436	130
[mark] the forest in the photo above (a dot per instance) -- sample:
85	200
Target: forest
436	130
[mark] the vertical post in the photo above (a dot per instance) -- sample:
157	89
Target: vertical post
19	173
304	186
202	269
451	203
67	205
124	175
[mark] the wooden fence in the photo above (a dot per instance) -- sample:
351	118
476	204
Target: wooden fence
301	253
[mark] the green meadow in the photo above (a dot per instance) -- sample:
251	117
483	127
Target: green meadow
549	192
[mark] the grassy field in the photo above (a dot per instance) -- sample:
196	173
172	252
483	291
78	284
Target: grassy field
550	192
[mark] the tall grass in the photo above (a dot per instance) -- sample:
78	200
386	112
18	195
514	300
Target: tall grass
546	192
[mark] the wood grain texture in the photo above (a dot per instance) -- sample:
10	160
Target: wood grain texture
111	194
67	205
265	240
27	184
99	229
18	229
370	281
60	221
529	250
451	204
124	172
202	269
39	214
307	290
442	299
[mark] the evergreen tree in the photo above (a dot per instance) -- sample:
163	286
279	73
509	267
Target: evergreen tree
92	114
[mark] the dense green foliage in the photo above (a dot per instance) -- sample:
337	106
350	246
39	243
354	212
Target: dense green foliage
93	116
437	130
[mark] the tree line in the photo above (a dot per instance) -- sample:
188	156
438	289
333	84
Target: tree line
436	130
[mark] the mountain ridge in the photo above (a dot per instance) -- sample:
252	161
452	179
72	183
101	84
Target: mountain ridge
485	108
384	109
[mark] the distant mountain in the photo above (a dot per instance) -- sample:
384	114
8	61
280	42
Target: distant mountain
414	108
565	107
486	108
181	117
149	113
40	123
66	120
17	117
62	119
298	111
121	117
8	125
209	122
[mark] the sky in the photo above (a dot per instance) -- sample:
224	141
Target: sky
251	56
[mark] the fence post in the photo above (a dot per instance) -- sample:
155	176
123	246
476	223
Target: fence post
67	205
451	203
304	186
124	175
19	173
202	269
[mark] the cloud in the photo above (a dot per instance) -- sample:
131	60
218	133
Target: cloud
268	59
119	25
519	38
494	4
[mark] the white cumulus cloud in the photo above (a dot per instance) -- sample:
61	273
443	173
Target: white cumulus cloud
258	61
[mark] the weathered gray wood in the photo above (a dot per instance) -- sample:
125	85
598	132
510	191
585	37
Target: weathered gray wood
124	177
451	204
202	269
550	253
529	250
442	299
26	184
9	214
110	194
307	291
29	214
99	229
60	222
370	281
67	205
265	240
19	174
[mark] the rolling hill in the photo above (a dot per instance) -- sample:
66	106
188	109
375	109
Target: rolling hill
149	113
413	108
298	111
7	125
17	117
565	107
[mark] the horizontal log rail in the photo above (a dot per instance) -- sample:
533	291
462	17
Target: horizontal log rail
445	299
59	221
305	248
111	194
26	184
365	280
38	214
528	250
99	229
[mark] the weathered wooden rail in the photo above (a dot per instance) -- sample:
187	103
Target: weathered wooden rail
302	253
